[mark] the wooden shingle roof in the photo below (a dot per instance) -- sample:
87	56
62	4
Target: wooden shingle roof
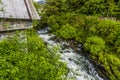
18	9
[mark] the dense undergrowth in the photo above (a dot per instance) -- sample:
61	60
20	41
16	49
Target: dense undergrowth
22	59
94	23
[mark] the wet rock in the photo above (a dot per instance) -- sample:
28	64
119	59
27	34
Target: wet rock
67	51
46	43
79	45
61	51
66	45
101	67
78	49
70	59
85	76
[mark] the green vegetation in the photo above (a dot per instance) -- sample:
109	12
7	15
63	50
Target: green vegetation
2	7
0	1
67	32
29	61
94	44
92	23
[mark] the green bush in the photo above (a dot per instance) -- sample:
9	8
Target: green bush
80	36
93	7
108	30
112	66
67	32
35	64
94	44
117	45
51	20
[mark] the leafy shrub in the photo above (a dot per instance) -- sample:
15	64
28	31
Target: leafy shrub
112	66
80	36
93	7
94	44
67	32
117	45
51	20
108	30
37	64
54	27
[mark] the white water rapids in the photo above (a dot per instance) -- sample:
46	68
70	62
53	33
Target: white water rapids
79	67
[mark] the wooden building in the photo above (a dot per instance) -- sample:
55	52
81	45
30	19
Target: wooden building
16	15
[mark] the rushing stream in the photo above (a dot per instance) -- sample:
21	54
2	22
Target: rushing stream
79	67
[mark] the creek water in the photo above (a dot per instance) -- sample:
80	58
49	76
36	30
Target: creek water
79	67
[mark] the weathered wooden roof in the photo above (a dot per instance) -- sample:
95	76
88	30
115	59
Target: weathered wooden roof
18	9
